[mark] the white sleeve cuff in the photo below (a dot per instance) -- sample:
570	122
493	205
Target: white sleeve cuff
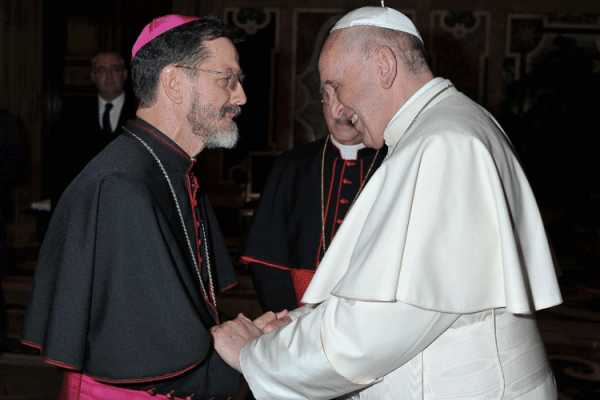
298	312
289	363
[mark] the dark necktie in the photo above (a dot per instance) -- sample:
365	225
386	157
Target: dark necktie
106	119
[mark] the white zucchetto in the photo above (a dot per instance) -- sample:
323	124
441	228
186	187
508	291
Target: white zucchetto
382	17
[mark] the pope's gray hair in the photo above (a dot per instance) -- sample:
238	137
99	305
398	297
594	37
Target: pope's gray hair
407	47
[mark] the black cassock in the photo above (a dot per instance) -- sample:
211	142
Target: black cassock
284	243
116	293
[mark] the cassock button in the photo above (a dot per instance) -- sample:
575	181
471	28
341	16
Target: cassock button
347	182
197	224
339	221
350	163
344	201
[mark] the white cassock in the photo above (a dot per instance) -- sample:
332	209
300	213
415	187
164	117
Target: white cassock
429	288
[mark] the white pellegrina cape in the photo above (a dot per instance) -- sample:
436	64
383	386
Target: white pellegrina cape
448	223
429	287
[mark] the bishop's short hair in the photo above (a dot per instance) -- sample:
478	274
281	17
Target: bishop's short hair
182	45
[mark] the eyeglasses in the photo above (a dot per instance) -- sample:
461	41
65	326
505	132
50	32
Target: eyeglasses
231	78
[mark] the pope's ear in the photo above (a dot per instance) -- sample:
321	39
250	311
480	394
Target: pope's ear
172	83
387	65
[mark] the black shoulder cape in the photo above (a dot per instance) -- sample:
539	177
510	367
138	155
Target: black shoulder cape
116	293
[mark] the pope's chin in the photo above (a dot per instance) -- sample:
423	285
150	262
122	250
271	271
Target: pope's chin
368	139
372	142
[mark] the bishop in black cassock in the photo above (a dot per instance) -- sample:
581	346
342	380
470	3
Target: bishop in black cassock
116	292
307	185
124	294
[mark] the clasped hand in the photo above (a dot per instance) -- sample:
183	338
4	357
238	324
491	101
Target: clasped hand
231	336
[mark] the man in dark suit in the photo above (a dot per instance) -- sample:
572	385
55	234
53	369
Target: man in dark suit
89	125
114	107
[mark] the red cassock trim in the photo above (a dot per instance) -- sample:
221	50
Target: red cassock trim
228	287
337	204
300	277
324	222
192	183
125	381
186	156
248	260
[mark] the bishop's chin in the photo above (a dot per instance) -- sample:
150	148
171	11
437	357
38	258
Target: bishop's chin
225	139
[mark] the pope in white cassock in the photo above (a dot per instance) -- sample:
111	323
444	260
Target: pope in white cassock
430	287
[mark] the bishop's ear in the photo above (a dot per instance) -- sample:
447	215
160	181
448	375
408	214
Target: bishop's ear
387	66
172	83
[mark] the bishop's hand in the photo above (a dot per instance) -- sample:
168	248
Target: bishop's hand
231	336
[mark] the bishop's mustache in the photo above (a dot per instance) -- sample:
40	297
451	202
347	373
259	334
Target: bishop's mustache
236	110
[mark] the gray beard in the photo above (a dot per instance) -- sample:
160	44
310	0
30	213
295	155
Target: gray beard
203	120
223	139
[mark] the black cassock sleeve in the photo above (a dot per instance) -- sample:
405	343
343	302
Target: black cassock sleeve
274	288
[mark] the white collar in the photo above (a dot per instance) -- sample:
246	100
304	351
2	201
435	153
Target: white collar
415	96
117	102
348	151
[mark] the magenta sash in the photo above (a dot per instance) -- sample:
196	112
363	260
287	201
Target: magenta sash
77	386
